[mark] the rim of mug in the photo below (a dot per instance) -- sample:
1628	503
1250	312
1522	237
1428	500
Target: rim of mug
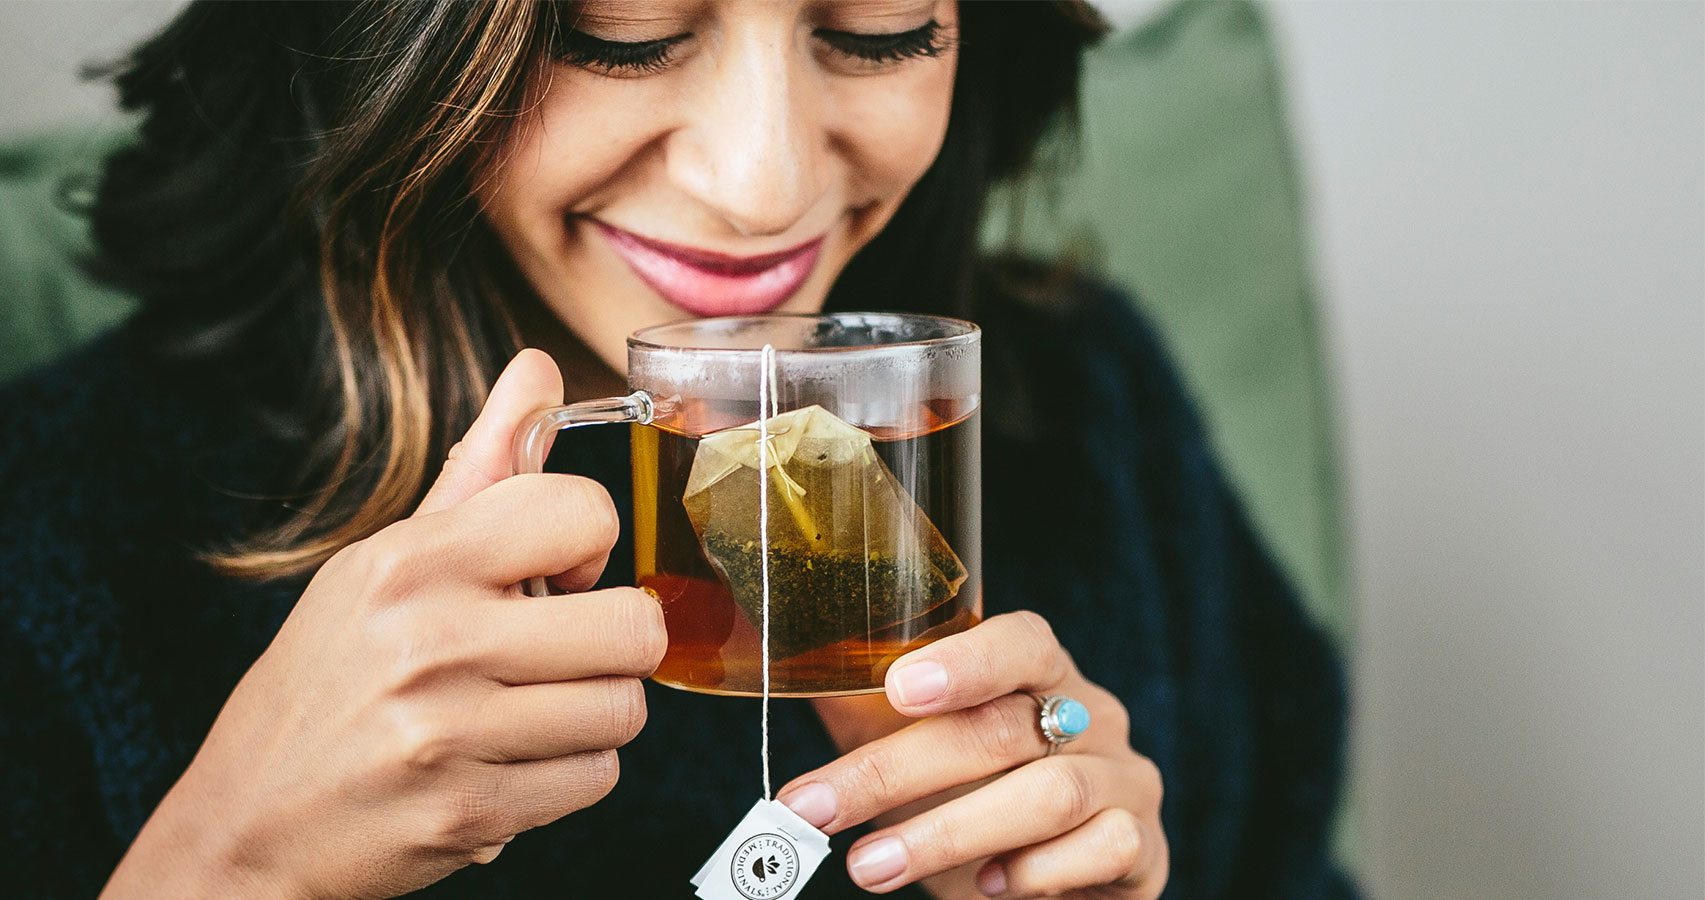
969	333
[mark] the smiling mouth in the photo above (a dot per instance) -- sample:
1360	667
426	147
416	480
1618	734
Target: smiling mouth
706	283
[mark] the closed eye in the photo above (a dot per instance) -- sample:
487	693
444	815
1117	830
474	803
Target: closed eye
926	40
616	57
578	48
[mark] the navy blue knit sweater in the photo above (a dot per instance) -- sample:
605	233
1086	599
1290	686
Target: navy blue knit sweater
1104	511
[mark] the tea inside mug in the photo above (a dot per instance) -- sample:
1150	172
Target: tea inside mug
850	553
873	546
715	640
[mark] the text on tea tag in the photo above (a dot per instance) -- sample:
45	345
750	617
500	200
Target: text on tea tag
769	856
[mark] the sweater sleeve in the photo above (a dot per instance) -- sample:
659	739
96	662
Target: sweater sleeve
56	842
1297	707
58	838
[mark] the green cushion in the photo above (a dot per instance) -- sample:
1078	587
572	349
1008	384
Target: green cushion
47	303
1184	193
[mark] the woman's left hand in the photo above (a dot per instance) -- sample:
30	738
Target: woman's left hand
969	797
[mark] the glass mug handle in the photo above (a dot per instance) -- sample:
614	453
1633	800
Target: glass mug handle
531	441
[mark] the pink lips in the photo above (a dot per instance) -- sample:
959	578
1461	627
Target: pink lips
714	284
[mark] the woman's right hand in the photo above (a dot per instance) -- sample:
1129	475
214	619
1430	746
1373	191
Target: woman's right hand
416	711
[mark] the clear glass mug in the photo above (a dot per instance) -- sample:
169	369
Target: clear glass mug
852	513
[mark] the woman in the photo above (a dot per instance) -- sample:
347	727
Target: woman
259	561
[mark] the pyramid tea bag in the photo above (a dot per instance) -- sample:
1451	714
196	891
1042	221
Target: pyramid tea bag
850	552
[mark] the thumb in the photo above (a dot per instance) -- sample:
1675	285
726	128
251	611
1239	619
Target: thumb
483	456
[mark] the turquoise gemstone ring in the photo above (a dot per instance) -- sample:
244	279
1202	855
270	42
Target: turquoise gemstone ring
1063	720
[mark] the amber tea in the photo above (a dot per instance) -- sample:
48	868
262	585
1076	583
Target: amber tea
846	518
902	572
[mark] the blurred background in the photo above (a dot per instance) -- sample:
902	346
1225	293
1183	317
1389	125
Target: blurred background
1436	271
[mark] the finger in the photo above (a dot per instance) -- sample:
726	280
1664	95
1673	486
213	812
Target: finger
1042	800
488	854
490	804
537	640
526	795
1011	652
482	457
525	526
544	721
921	760
1113	847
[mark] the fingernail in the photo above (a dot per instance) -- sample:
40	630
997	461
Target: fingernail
920	682
814	802
877	862
992	880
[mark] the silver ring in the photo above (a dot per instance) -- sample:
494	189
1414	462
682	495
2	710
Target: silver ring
1061	719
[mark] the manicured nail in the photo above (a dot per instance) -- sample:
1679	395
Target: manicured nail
920	682
992	880
877	862
813	802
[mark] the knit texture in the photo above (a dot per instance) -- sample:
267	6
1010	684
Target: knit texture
1104	510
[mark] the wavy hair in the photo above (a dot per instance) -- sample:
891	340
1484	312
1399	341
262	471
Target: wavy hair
301	197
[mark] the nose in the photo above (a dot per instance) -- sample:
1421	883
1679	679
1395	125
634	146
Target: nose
753	148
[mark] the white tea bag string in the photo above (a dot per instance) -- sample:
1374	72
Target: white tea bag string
772	852
767	407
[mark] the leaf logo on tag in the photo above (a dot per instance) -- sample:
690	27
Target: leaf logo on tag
765	867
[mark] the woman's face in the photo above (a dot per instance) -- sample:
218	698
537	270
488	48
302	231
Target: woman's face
717	158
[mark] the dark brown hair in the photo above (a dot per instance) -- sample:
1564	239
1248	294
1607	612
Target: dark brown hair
300	196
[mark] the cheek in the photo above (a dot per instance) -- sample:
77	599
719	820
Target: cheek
575	148
892	128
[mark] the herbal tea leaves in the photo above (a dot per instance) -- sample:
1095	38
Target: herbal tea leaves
851	555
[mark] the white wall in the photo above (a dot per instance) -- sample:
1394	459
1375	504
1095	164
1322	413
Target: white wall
1509	205
44	44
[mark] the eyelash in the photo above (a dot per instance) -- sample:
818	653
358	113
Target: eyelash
616	57
887	48
644	57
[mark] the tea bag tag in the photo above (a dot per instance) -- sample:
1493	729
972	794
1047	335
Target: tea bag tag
772	852
769	856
